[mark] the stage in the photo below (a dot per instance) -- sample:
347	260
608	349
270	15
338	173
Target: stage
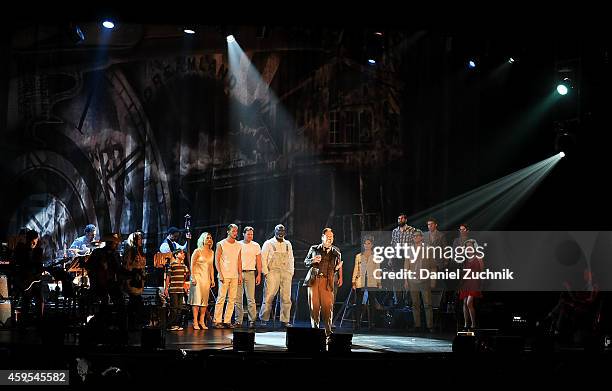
207	357
378	341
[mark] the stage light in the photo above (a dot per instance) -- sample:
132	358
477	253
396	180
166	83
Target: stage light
511	60
565	139
374	47
565	143
230	39
79	34
108	24
471	64
73	34
189	31
564	86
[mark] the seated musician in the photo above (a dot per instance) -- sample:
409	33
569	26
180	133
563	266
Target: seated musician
84	244
171	243
28	272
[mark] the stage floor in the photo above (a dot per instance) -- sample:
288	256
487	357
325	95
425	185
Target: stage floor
378	341
209	352
275	341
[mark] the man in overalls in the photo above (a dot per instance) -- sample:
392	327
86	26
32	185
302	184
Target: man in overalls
277	266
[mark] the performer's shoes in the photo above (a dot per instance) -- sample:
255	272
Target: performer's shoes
229	326
203	326
218	325
251	325
196	326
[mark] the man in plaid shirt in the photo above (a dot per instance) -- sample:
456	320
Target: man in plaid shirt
402	234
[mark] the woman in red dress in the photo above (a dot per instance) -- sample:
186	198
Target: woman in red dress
470	289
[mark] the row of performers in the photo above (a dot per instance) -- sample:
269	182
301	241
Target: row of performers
241	266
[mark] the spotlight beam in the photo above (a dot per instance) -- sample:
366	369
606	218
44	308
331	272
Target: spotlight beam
491	203
252	94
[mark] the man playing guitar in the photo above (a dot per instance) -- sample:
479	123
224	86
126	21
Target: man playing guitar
83	245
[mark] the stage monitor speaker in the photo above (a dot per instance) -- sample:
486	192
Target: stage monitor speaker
3	287
102	330
340	343
152	338
243	341
54	328
5	313
464	343
305	339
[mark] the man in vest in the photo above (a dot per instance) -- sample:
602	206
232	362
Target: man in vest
278	267
170	244
322	261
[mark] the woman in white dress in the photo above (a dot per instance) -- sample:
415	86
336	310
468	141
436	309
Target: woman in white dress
202	279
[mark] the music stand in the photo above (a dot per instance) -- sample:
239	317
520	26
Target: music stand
77	264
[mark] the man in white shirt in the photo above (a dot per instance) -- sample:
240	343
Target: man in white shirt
277	265
251	276
229	268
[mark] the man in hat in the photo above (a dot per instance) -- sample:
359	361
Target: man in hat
170	245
